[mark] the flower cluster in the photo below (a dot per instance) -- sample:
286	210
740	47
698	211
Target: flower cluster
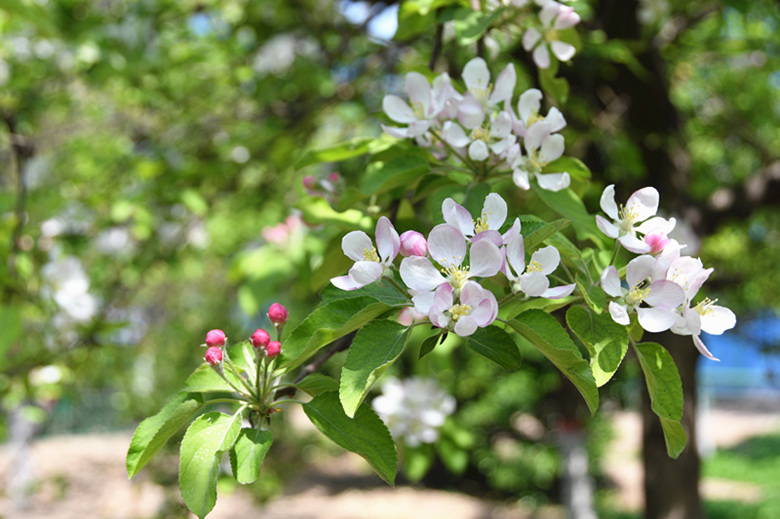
413	409
481	125
660	278
442	273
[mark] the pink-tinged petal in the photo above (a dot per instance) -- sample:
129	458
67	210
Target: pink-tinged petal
520	179
512	233
555	119
478	151
457	216
470	112
534	284
465	326
559	292
553	181
634	244
531	38
541	56
562	50
485	259
476	75
548	257
355	243
501	126
665	294
515	257
549	11
718	319
365	272
643	203
495	209
619	314
490	235
346	283
639	269
610	282
423	302
442	302
419	274
397	109
388	243
454	135
655	320
398	133
472	293
418	128
536	135
419	89
505	85
608	228
447	245
703	349
607	202
529	104
552	148
566	18
656	225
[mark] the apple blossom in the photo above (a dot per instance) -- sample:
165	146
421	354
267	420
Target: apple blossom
640	207
554	17
427	102
493	216
542	147
528	107
369	265
413	244
532	280
476	307
477	78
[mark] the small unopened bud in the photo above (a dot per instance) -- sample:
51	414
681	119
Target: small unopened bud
273	349
657	241
260	338
215	338
413	244
334	177
309	182
214	355
277	314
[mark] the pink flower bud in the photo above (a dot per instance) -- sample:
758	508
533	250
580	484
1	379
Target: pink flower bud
413	244
260	338
273	349
309	182
334	177
214	355
215	338
277	314
657	241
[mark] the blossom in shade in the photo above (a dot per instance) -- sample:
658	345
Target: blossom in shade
477	78
532	278
663	296
641	207
369	265
528	107
555	18
542	147
215	338
476	308
426	103
491	219
495	136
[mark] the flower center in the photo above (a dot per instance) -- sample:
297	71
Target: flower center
458	311
705	307
535	162
637	294
551	36
456	275
418	110
627	216
482	93
480	134
533	118
371	255
482	224
534	266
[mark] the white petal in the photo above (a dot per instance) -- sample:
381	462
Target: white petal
346	283
536	135
607	203
355	243
485	259
608	228
505	85
388	242
559	292
419	89
549	258
501	126
365	272
457	216
478	151
655	320
566	18
717	320
553	181
476	75
619	314
447	245
610	282
454	135
643	203
656	224
634	244
529	104
703	349
423	302
534	283
665	294
398	133
397	109
520	178
470	112
515	257
555	119
465	326
541	56
419	274
549	11
562	50
495	209
639	269
512	233
530	38
552	148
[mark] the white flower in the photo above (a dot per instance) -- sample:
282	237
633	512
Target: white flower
554	17
528	107
476	308
532	280
477	78
641	205
542	147
427	103
369	265
413	409
68	285
487	225
482	139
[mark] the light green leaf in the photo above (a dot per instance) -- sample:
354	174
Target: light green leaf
375	347
399	171
548	336
365	434
495	344
666	396
471	25
11	326
246	456
416	461
595	297
343	151
152	433
381	290
317	210
202	447
327	323
534	239
606	340
570	206
317	383
576	169
205	380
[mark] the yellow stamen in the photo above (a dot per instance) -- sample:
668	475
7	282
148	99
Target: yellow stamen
458	311
637	294
705	307
481	224
480	134
534	266
456	275
533	118
371	255
627	216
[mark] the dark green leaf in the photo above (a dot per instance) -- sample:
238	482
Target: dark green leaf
568	205
399	171
428	345
534	239
594	296
317	383
495	344
375	347
606	340
246	456
576	169
382	291
471	25
365	434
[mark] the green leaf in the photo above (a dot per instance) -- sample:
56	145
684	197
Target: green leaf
666	395
375	347
416	461
606	340
471	25
516	306
11	326
570	206
317	210
576	169
495	344
365	434
428	345
534	239
202	447
248	453
205	380
343	150
595	297
381	291
327	323
548	336
399	171
317	383
556	87
152	433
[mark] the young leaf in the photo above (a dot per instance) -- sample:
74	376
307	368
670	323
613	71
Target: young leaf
548	336
247	454
606	340
205	380
343	151
317	210
495	344
428	345
202	447
568	205
153	432
317	383
382	291
666	396
471	25
533	240
595	297
327	323
399	171
365	434
375	347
